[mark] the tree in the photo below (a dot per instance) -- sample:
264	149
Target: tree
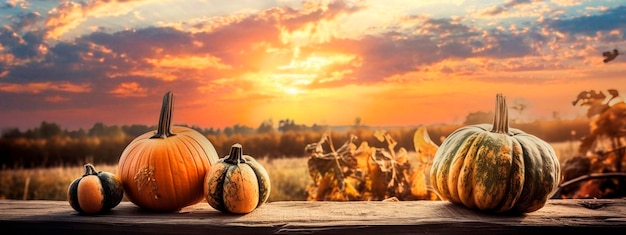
101	130
48	130
319	128
266	126
357	122
479	117
97	129
228	131
519	104
286	125
136	130
78	134
11	133
242	129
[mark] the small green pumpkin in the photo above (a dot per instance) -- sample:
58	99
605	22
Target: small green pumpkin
495	168
95	191
237	183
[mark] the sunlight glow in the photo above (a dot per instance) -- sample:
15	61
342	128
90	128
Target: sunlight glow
292	91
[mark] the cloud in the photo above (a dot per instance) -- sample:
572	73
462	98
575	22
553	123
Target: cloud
189	62
206	24
129	89
56	99
405	50
298	46
263	55
567	3
24	21
500	44
492	11
22	45
312	12
162	53
38	87
506	7
66	16
11	4
513	3
611	19
69	15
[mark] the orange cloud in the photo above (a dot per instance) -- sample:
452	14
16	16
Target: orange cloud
206	24
38	87
69	15
55	99
150	73
189	62
129	89
66	16
567	2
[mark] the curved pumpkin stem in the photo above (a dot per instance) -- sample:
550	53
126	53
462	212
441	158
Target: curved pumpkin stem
501	116
165	119
235	156
90	170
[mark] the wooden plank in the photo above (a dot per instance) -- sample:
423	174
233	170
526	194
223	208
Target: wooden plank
300	217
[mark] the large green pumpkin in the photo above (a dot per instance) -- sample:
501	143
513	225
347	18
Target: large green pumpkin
495	168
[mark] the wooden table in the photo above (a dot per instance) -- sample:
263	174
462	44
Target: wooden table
605	216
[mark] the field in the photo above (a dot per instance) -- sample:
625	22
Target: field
289	178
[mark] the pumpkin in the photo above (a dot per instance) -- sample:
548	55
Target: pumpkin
492	167
237	184
165	170
95	191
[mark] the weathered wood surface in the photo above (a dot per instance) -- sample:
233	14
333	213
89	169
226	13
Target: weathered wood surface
299	217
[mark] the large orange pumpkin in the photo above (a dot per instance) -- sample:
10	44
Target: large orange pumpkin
164	171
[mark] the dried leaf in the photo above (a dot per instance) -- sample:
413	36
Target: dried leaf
367	173
425	149
424	146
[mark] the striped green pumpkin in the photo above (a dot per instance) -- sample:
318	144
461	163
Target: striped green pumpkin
495	168
95	191
237	183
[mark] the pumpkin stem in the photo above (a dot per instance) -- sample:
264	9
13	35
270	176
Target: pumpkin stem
165	119
501	116
235	156
90	170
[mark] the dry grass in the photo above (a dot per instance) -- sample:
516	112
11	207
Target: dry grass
40	183
289	178
565	150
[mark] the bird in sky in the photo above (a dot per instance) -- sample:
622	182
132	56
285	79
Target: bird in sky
610	56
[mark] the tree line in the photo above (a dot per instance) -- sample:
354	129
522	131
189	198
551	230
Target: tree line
51	145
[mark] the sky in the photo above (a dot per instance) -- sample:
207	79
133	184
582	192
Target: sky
387	63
